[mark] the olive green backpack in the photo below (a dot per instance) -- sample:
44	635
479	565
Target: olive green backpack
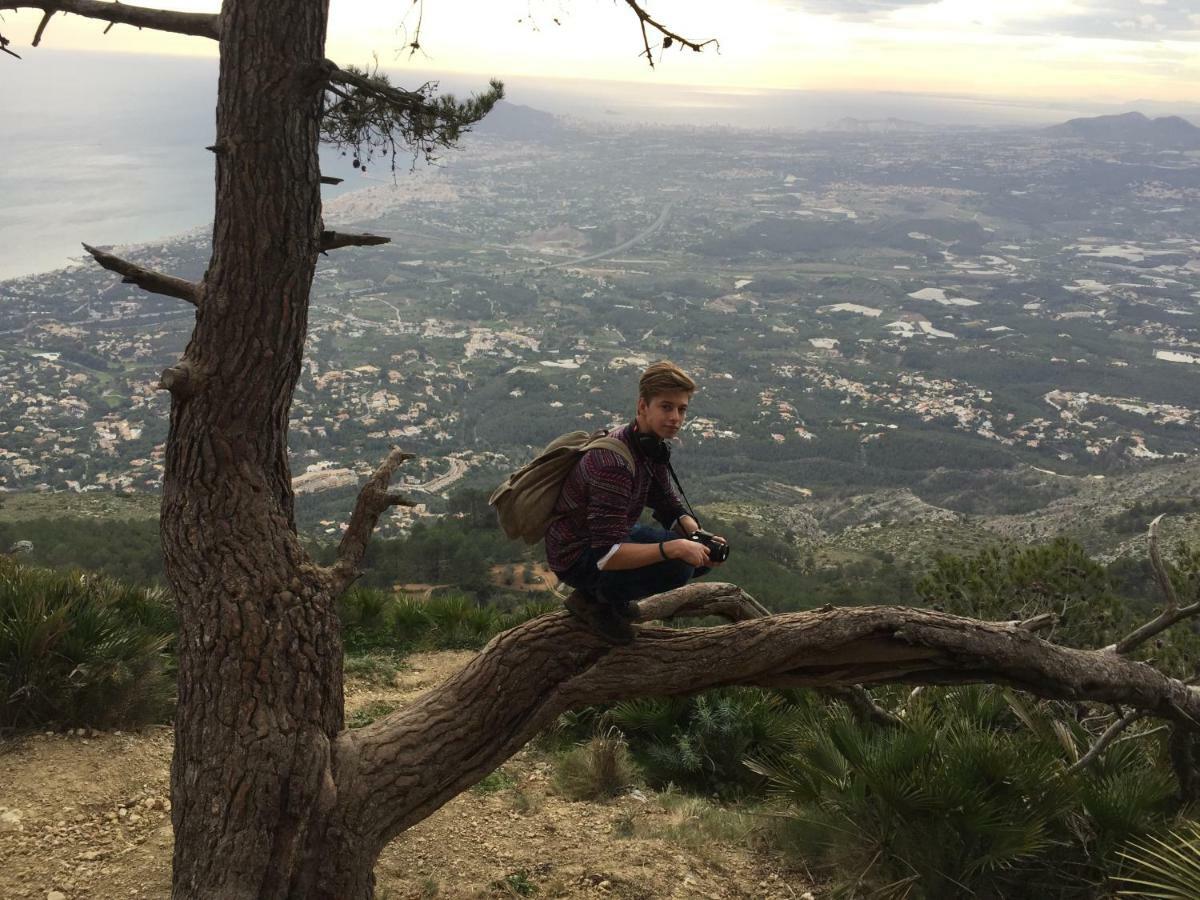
525	502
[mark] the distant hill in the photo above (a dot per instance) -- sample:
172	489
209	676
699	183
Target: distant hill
1166	131
512	121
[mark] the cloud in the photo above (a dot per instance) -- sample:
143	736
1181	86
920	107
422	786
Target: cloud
1139	20
854	9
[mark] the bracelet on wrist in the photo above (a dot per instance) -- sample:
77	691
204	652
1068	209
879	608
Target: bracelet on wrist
662	551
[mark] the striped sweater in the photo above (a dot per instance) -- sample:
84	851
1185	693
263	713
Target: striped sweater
601	501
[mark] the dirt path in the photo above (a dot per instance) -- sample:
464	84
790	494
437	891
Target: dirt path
88	816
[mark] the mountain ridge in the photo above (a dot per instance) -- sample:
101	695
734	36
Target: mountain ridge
1163	131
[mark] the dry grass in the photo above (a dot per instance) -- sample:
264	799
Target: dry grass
596	770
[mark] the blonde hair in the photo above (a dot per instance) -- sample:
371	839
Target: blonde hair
663	377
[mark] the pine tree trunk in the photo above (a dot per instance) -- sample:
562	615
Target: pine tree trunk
260	656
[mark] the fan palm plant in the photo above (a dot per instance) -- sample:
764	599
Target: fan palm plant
1168	868
967	799
81	650
700	743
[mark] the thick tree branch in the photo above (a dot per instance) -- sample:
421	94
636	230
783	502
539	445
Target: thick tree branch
735	605
195	24
1172	612
332	240
373	500
397	771
147	279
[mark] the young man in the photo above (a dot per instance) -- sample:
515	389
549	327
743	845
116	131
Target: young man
596	544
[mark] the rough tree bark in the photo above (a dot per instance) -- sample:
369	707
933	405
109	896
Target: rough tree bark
271	797
260	655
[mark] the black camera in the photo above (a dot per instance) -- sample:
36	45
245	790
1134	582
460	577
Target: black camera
718	551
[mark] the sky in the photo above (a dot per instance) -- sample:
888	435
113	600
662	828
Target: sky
1108	51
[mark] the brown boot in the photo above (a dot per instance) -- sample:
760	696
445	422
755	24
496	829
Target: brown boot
600	618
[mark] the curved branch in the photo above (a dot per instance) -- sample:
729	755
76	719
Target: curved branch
863	705
1110	734
395	772
147	279
1154	626
41	29
195	24
373	500
728	601
1172	612
1161	575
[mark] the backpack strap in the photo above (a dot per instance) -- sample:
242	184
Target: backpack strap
605	442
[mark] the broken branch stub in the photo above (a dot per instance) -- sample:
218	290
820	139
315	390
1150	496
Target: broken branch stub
373	499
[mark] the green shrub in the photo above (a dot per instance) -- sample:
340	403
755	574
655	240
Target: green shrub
460	623
1136	518
969	798
516	884
523	612
364	609
1008	582
595	770
377	668
129	549
80	649
493	782
376	709
410	623
700	743
375	621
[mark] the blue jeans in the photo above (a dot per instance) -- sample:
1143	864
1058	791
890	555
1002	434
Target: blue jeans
625	586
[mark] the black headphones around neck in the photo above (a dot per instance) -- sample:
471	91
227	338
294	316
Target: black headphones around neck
650	445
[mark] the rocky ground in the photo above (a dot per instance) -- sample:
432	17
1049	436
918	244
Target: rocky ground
87	815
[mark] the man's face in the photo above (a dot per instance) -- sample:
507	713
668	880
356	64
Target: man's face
663	414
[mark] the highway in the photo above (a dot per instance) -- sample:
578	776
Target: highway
636	239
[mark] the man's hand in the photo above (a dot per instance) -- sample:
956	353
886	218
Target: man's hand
691	552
